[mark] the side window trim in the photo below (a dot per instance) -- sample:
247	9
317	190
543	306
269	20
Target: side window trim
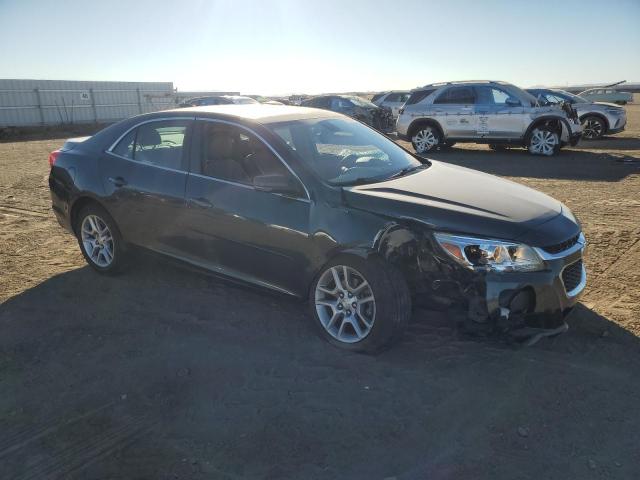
268	145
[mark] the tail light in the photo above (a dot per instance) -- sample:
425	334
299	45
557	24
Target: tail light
53	156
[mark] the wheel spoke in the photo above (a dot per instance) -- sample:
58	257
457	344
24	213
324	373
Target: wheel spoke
346	277
354	323
334	318
359	288
336	278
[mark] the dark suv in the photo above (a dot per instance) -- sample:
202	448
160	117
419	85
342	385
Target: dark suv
317	205
380	118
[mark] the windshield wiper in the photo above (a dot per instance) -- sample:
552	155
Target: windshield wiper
406	170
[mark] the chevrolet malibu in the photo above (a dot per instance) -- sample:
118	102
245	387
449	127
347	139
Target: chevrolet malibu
317	205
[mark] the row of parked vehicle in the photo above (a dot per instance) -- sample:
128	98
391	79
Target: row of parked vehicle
497	113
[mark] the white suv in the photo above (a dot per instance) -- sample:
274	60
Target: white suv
496	113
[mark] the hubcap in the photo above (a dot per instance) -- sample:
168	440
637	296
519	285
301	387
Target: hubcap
345	304
97	240
543	142
592	128
424	140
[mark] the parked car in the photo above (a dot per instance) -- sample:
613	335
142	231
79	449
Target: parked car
218	100
378	117
496	113
392	100
597	118
607	95
316	205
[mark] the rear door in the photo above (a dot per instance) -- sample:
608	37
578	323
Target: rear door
144	177
454	108
235	228
500	116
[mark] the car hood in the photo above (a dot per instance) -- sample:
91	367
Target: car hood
609	105
460	200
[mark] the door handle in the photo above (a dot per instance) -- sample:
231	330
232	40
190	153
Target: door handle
118	181
201	202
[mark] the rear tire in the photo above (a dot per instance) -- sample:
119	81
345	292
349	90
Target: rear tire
368	311
99	239
425	139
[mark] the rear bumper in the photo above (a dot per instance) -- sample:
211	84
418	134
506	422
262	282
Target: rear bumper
60	203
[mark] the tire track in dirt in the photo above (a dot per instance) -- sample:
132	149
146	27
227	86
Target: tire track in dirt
84	452
18	440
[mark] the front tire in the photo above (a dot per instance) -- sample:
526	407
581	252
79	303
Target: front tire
426	138
100	240
360	305
544	141
592	127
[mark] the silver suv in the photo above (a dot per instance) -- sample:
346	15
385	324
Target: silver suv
496	113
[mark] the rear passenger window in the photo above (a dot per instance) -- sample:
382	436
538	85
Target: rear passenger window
126	146
157	143
457	95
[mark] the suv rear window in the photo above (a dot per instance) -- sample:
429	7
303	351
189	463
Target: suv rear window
377	96
419	95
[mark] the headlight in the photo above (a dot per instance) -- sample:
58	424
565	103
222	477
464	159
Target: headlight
483	254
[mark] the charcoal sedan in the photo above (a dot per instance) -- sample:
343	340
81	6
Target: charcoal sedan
317	205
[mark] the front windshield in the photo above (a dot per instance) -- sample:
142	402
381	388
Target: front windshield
571	96
244	100
361	102
342	151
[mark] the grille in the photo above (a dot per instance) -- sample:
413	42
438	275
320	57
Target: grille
572	275
561	247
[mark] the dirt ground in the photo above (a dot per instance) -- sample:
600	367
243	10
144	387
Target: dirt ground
163	373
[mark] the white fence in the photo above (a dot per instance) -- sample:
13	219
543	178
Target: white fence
53	102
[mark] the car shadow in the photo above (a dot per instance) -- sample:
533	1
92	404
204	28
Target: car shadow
611	143
161	373
569	164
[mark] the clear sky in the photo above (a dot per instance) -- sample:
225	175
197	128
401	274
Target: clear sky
312	46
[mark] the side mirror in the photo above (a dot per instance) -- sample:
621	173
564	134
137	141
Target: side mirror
276	183
512	102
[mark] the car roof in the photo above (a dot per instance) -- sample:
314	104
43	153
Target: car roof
463	82
258	112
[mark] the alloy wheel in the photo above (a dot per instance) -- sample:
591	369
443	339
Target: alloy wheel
543	142
592	128
425	140
97	240
345	304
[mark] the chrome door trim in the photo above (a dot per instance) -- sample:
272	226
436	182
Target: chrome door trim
147	164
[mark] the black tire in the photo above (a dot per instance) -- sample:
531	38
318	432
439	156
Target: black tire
593	127
392	303
543	128
119	259
429	132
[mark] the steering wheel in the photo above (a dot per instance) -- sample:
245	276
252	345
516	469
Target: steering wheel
349	161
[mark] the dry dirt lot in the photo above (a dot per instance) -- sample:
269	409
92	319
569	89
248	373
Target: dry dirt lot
163	373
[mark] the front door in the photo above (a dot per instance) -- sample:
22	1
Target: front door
235	228
500	116
144	178
454	109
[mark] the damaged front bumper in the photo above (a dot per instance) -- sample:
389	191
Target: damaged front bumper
524	305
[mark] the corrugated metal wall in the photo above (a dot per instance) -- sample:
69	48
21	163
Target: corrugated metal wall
54	102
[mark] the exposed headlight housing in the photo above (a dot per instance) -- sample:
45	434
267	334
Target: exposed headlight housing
483	254
615	111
